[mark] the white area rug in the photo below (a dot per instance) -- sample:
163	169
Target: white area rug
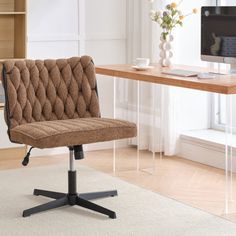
139	212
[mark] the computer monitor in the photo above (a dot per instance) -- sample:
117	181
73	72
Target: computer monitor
218	35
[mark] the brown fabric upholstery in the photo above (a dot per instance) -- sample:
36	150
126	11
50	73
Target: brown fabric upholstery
51	90
72	132
54	103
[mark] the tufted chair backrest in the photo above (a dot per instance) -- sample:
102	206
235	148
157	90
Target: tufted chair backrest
49	90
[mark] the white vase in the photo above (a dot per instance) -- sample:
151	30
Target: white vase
165	50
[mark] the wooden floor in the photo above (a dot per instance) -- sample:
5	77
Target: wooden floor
192	183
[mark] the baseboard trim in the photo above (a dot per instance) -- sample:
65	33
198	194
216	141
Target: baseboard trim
206	147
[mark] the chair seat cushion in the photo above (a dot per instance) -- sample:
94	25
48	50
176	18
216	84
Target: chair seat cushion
59	133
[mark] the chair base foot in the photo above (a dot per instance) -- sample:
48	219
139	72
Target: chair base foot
62	199
97	195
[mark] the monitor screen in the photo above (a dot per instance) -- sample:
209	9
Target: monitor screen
218	32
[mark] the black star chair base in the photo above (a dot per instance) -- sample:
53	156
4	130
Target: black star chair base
72	198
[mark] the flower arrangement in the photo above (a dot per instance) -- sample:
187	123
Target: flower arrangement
170	17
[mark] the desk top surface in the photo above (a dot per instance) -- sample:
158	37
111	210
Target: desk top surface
224	84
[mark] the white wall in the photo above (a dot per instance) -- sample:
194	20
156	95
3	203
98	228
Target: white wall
52	28
105	41
187	43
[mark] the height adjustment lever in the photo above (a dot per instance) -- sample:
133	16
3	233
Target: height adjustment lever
78	152
26	158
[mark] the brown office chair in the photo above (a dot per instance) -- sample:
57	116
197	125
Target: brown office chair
54	103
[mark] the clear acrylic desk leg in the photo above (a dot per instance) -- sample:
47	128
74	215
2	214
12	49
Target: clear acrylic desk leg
228	153
114	116
231	147
138	125
153	128
161	115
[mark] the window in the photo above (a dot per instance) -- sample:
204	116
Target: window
219	101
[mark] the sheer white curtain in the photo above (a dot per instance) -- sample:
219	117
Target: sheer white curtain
164	111
186	109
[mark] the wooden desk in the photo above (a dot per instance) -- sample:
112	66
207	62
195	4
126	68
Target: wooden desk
224	84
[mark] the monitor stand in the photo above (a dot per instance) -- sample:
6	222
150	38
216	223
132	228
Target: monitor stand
232	62
232	68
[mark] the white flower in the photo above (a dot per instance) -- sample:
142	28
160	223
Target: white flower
159	21
152	18
159	13
153	15
152	12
